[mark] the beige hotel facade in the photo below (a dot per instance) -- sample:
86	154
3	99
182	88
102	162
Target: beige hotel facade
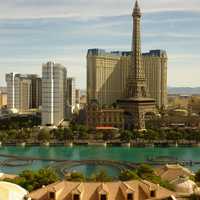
107	75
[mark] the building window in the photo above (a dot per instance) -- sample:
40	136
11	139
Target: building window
129	196
153	193
103	197
76	197
52	195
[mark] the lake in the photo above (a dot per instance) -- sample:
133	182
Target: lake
95	153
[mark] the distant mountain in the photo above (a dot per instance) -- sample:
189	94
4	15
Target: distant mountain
171	90
184	90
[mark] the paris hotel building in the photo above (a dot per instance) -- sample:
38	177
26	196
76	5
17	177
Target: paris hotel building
107	75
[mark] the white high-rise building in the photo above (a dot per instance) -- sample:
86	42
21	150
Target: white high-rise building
54	82
71	95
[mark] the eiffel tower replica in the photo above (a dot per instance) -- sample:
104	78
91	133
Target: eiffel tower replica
137	102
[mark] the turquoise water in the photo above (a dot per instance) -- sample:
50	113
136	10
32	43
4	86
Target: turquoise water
90	169
92	153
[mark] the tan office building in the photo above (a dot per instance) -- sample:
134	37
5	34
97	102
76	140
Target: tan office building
19	92
107	75
3	99
23	91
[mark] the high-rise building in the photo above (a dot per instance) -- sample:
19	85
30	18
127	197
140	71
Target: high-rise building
24	91
155	67
129	80
19	92
3	99
3	89
107	75
36	91
71	95
54	94
78	96
10	81
104	76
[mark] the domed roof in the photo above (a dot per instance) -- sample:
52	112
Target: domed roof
184	185
10	191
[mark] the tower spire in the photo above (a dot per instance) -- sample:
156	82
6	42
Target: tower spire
136	10
136	83
136	4
137	102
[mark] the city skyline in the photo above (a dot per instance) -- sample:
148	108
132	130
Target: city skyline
63	30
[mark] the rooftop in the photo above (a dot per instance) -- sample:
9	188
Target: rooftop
92	191
171	172
102	52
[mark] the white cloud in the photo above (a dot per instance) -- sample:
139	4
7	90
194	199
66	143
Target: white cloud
84	9
172	35
192	57
73	56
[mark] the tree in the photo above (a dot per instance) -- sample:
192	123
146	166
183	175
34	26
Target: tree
101	176
109	135
22	135
137	135
3	136
68	134
82	128
174	135
44	135
58	134
83	135
76	176
161	134
127	175
98	135
145	170
126	135
46	176
194	135
31	180
12	134
151	135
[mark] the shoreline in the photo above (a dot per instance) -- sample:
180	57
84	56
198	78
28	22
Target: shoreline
131	144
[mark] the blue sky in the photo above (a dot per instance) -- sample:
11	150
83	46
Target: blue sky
33	32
